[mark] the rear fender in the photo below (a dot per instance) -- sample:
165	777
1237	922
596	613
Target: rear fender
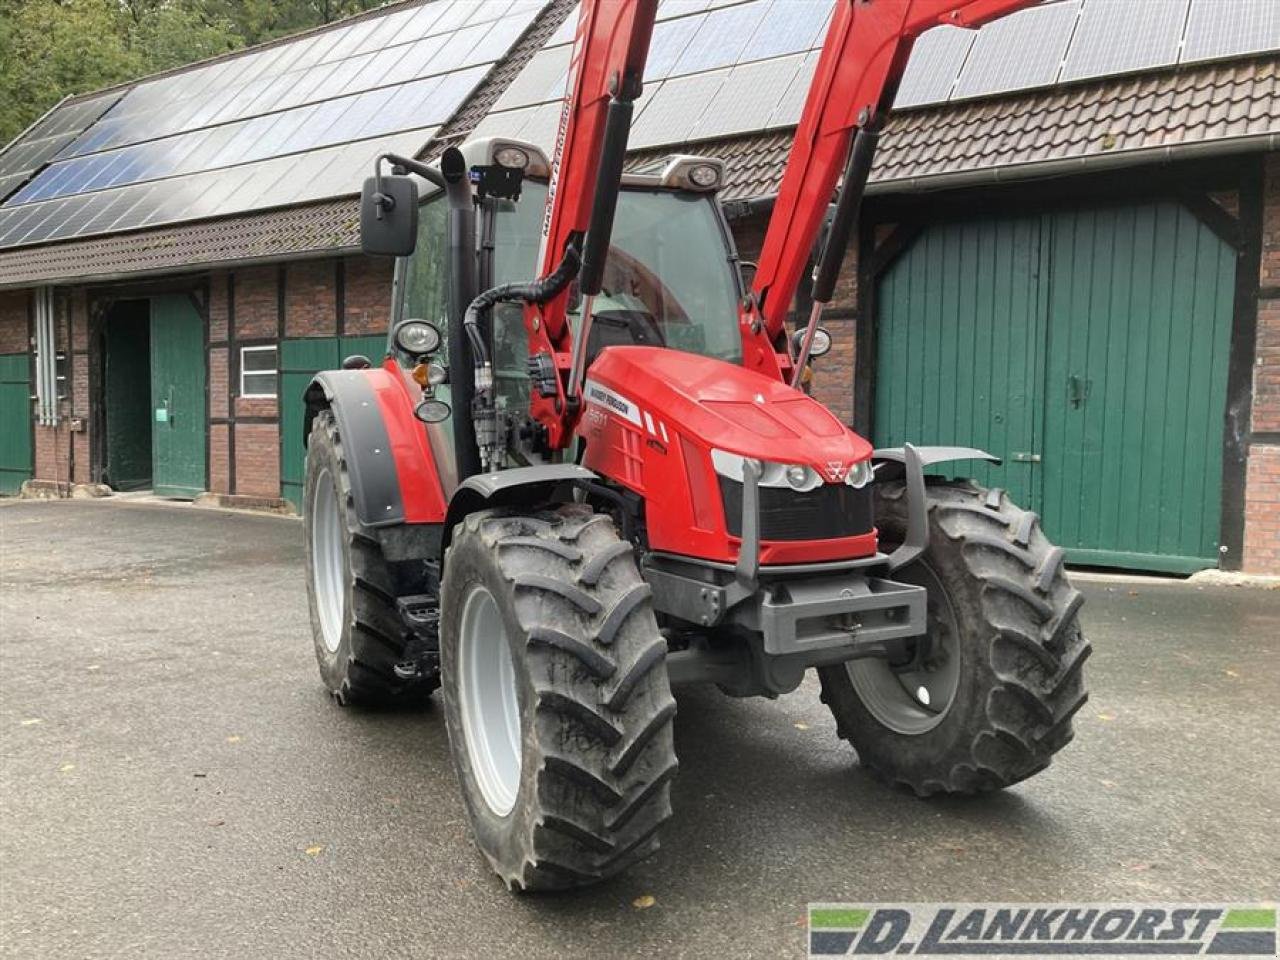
393	472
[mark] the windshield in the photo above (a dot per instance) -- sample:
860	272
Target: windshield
667	282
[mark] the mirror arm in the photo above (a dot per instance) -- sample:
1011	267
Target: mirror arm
401	164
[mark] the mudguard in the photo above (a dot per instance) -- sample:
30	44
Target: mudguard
393	473
519	485
931	455
913	461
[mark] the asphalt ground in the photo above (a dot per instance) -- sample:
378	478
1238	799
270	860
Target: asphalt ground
175	782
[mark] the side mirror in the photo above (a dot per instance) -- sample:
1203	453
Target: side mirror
389	216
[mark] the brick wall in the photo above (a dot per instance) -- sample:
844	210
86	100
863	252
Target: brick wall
366	296
311	299
258	459
257	304
15	335
1262	484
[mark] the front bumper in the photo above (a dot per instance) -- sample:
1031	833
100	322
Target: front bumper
823	611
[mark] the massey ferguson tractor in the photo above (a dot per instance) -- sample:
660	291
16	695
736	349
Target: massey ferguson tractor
559	498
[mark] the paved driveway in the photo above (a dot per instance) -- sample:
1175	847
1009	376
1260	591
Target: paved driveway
175	783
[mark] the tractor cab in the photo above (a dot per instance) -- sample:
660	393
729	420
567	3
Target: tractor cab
671	279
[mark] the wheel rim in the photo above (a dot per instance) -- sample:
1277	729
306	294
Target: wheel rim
914	698
488	701
328	562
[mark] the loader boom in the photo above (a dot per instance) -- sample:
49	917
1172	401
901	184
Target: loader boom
862	60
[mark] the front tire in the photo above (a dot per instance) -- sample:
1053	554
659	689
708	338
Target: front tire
556	696
992	699
357	631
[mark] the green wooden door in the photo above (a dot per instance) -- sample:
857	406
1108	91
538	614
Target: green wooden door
15	421
1140	305
960	327
1088	349
300	360
178	420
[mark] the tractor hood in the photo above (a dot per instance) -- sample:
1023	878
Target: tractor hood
721	405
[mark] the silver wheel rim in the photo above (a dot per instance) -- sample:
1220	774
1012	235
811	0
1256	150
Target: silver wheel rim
328	563
914	700
488	701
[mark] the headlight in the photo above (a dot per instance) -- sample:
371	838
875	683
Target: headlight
418	337
512	157
795	476
860	474
704	175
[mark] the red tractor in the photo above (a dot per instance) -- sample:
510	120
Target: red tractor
557	499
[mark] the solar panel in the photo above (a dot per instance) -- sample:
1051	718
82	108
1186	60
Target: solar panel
49	135
675	108
670	38
789	26
935	63
789	106
543	78
748	98
1116	36
1022	50
1225	28
721	38
291	122
332	171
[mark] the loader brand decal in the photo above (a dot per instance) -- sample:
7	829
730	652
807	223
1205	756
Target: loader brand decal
1042	930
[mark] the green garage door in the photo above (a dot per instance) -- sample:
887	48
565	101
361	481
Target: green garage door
300	360
178	427
15	421
1086	348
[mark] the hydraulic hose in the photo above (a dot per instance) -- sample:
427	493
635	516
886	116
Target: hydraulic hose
536	291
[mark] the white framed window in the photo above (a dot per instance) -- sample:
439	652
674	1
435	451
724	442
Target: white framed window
258	372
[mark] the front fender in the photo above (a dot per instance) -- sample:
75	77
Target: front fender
393	472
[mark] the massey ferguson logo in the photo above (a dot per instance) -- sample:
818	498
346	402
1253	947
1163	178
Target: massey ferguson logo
836	471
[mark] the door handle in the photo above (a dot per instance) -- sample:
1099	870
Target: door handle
1078	390
1025	457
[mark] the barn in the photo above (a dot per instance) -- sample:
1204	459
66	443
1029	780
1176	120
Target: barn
1070	254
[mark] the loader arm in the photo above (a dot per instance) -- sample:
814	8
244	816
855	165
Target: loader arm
861	63
605	77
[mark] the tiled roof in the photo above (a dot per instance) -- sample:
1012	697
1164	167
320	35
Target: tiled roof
1223	106
328	228
1213	103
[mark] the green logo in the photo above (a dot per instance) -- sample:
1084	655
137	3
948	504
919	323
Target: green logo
1042	930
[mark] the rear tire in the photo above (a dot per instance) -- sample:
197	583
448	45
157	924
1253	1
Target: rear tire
357	631
564	748
1008	652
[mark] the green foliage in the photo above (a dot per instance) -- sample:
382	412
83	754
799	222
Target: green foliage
50	49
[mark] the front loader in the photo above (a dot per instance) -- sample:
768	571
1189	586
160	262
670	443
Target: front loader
559	498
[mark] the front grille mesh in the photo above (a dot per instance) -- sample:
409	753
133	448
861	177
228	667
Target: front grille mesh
825	513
